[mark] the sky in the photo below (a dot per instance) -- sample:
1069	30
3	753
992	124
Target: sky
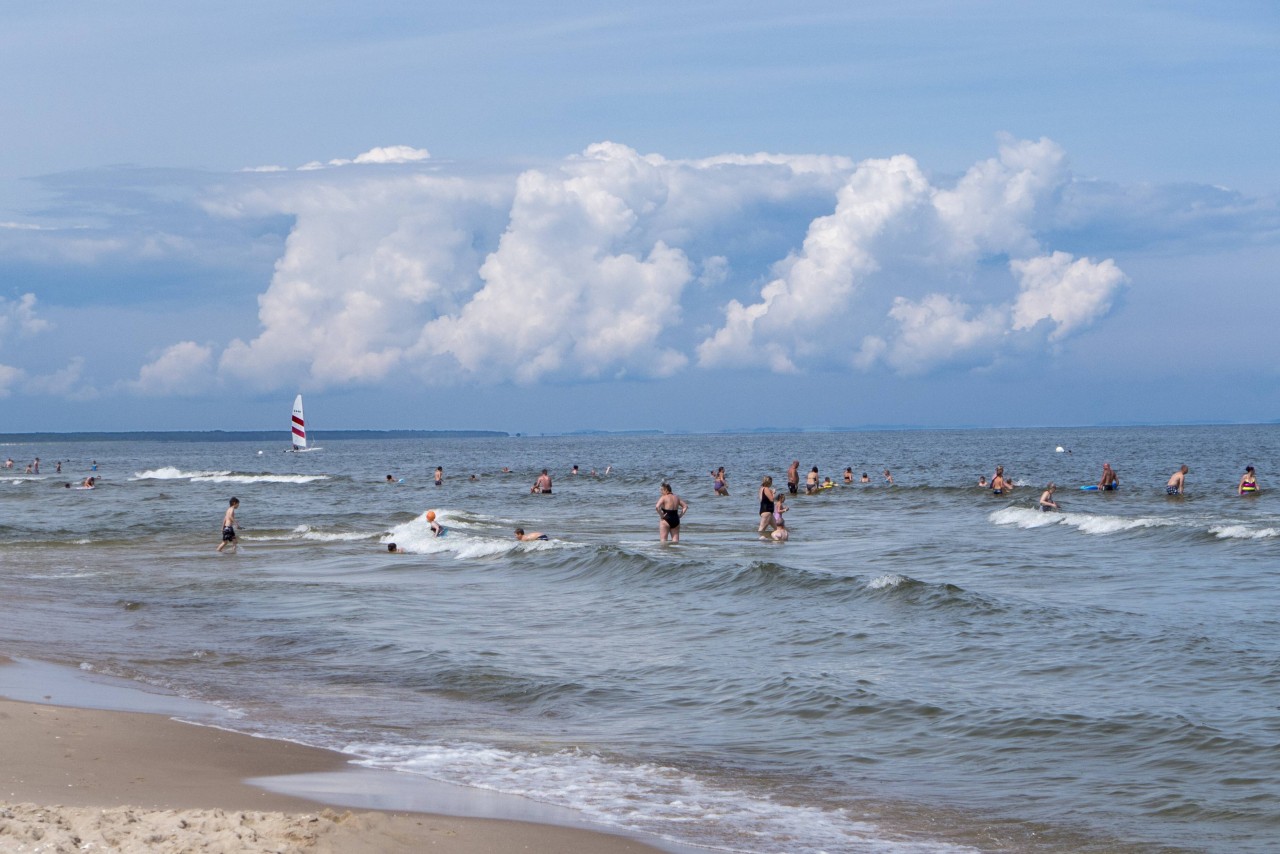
694	216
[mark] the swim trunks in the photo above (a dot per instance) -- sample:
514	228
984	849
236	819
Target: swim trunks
228	534
997	492
793	488
1171	490
543	537
1111	487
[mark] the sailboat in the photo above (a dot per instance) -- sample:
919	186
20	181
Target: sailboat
299	428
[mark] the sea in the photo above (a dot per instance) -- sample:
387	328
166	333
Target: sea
923	667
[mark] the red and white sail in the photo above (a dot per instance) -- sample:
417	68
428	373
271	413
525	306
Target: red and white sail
299	426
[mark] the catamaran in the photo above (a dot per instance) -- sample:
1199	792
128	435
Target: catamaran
299	427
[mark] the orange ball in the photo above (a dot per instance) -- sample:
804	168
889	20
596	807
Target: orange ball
431	515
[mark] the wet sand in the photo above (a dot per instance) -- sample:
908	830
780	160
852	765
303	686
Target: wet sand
75	779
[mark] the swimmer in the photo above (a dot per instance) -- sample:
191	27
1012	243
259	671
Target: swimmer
439	475
719	482
811	481
1177	482
531	535
1047	503
793	477
575	470
670	508
437	530
1248	482
229	526
828	483
781	534
865	478
390	479
542	486
394	549
88	483
982	481
848	475
888	478
998	483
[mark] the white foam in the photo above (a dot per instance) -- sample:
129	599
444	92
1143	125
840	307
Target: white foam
172	473
306	532
1243	532
649	798
259	478
886	581
1024	517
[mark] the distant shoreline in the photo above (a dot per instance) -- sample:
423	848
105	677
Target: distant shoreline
275	435
280	436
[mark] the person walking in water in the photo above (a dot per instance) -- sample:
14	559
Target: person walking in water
767	499
1177	482
229	526
670	508
1046	498
719	482
1248	482
793	477
542	486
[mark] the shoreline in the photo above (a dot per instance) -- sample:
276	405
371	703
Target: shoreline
135	781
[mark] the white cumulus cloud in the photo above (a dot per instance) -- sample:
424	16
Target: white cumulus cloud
613	263
183	368
19	316
1067	291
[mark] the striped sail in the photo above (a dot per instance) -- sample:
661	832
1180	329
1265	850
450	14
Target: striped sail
299	425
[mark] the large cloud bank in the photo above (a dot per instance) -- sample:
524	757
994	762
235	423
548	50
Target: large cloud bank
615	264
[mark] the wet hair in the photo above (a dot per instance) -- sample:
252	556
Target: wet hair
391	547
233	502
519	532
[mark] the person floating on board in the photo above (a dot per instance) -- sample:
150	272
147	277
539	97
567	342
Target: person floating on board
1177	482
531	535
1110	480
228	525
670	508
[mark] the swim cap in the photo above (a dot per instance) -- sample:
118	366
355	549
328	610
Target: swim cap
431	515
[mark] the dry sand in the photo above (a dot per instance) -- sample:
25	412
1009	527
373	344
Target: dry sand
79	780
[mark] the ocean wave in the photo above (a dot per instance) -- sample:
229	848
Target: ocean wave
172	473
668	802
1088	523
1243	532
415	537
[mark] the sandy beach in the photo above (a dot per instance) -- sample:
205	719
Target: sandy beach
89	780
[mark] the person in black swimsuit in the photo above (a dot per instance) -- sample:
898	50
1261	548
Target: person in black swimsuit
670	508
766	504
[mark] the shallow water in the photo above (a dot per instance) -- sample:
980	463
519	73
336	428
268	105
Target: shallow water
923	667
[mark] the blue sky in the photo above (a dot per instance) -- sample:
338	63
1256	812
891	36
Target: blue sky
686	216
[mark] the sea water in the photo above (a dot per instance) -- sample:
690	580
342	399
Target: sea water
924	667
